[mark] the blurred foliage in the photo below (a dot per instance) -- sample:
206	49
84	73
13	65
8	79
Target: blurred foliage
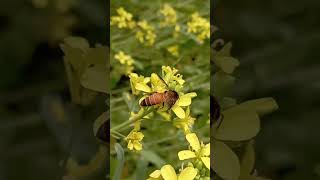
162	140
40	127
276	43
234	125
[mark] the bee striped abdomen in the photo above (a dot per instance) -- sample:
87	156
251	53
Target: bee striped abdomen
153	99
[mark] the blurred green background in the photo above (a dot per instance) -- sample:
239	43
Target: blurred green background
39	126
277	43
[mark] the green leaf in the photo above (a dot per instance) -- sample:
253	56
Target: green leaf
120	157
247	160
77	43
96	79
225	161
222	84
238	124
226	50
262	106
99	123
153	158
226	63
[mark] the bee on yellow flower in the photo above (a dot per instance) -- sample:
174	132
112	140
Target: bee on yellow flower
199	26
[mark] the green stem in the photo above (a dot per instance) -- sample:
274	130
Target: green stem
133	119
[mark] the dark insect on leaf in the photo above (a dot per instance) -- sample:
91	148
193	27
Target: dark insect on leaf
215	110
103	132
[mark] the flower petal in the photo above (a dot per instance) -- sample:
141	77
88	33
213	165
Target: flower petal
184	100
137	145
142	87
193	141
206	150
178	111
168	173
188	173
130	145
206	161
186	154
155	174
193	94
139	136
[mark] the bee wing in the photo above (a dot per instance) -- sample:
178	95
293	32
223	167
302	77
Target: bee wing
157	83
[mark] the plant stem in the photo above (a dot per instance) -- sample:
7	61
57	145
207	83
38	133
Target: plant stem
133	119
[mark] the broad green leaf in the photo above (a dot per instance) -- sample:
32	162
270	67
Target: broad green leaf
247	160
97	161
226	63
77	43
96	79
262	106
238	125
226	50
222	84
228	102
120	157
224	161
153	158
99	123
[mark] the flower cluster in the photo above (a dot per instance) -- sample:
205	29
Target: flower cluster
145	33
123	20
199	26
174	50
125	60
199	154
170	81
169	14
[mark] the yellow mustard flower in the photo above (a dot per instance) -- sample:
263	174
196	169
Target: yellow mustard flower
123	20
186	123
146	33
174	50
139	83
167	172
124	58
177	29
183	101
169	14
173	80
199	26
134	139
198	150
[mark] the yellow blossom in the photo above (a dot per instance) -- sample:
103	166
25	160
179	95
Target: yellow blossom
174	50
186	123
124	58
123	20
198	150
139	83
183	101
169	14
177	29
173	80
167	172
199	26
134	139
146	33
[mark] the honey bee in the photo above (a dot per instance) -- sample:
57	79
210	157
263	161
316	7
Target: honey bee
168	97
